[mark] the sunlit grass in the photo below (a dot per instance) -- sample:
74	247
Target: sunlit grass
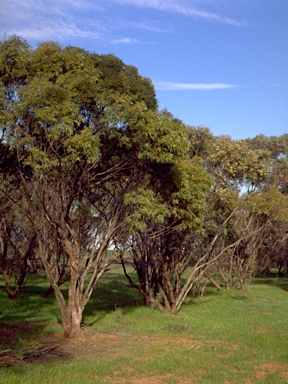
226	336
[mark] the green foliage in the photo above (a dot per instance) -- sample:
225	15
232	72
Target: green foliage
183	200
84	145
278	150
13	63
277	146
192	184
201	140
147	207
270	204
234	162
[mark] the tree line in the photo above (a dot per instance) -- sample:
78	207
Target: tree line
89	163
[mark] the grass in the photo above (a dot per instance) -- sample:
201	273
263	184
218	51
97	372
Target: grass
224	337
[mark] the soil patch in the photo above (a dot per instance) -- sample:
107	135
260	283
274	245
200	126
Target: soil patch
20	345
265	369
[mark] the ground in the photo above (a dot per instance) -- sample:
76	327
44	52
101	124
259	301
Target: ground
98	345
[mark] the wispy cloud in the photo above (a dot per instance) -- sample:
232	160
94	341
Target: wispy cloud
55	31
170	86
59	20
125	40
183	7
151	27
63	20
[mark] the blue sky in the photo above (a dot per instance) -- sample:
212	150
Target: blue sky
222	64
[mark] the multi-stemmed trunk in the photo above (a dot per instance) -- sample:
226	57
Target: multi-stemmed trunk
84	268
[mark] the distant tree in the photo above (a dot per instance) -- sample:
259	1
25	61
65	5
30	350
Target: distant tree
240	172
17	240
273	252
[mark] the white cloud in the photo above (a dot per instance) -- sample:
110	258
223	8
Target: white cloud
55	31
57	20
170	86
125	40
146	26
184	8
94	19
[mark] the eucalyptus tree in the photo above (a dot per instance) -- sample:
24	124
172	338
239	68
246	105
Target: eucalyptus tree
273	252
81	124
17	240
270	208
240	172
184	220
164	213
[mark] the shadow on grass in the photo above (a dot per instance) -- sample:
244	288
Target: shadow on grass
22	344
24	321
110	293
32	307
114	292
272	279
18	336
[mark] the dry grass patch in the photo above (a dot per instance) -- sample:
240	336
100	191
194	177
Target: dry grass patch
264	370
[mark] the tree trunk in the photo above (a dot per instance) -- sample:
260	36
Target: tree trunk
49	290
214	282
72	322
13	293
226	281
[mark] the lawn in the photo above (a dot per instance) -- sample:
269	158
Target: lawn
225	337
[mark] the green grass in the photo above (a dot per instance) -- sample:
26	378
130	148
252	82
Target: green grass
224	337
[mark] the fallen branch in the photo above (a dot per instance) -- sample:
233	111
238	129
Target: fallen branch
39	352
6	352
